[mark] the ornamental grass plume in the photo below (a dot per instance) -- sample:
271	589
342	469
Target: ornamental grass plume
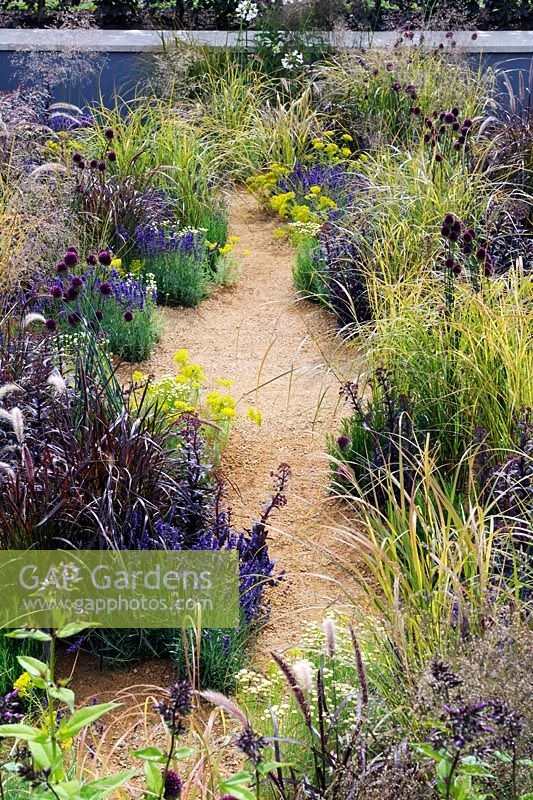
295	688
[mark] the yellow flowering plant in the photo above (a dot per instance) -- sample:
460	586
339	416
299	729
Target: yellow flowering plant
181	393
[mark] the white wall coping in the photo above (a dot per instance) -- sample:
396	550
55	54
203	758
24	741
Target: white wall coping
136	41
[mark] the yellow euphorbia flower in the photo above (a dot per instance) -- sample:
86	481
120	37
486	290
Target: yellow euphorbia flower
181	357
255	416
23	684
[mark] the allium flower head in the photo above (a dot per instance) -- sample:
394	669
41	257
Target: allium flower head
104	257
128	316
56	292
172	785
61	267
77	157
99	315
344	442
177	706
105	288
109	133
50	324
77	282
92	260
112	156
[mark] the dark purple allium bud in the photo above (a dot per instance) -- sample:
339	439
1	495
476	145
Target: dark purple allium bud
105	288
50	324
456	125
449	118
445	231
427	137
389	66
101	166
396	86
77	157
112	156
455	111
471	233
456	226
441	46
442	129
449	219
56	292
344	442
92	260
77	282
104	257
442	116
70	258
449	263
71	294
251	744
468	122
109	133
481	254
467	249
487	269
456	269
428	123
99	315
416	110
454	236
93	163
467	237
81	164
172	785
61	267
439	157
128	316
72	249
457	145
74	318
461	139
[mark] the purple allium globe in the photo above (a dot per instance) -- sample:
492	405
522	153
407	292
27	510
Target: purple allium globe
93	163
449	263
99	315
128	316
56	292
77	282
61	267
449	219
101	166
105	288
439	157
77	157
112	156
109	133
172	785
105	258
70	258
92	260
74	318
445	231
50	324
481	254
81	164
344	442
71	294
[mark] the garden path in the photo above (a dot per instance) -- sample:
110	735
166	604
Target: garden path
282	352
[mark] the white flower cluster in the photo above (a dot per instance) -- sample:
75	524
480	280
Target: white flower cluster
292	60
247	11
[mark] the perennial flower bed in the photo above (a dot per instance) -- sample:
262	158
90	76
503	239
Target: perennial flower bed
402	187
